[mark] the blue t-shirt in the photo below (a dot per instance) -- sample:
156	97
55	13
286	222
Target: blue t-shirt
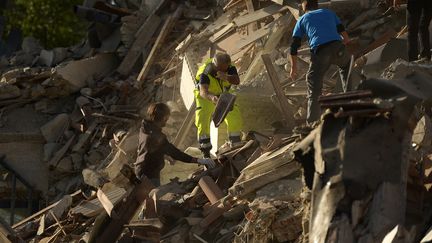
320	27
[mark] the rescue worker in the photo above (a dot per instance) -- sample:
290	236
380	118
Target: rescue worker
153	145
323	30
213	78
419	16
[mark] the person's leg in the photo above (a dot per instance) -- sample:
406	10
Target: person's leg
202	121
148	209
413	20
314	79
425	21
342	60
234	123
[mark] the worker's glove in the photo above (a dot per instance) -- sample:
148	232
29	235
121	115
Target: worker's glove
207	162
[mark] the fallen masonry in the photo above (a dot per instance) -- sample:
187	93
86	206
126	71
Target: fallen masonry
69	121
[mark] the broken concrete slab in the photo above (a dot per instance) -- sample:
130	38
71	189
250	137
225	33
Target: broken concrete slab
50	149
31	45
79	73
65	165
9	92
52	57
54	129
282	190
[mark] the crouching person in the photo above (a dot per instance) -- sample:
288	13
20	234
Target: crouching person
153	146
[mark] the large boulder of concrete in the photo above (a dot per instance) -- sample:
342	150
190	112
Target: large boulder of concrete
31	45
79	72
55	128
52	57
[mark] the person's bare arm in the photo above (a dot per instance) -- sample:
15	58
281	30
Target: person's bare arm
232	79
293	72
346	38
206	94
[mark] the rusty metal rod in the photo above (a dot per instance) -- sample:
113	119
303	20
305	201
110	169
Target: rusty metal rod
347	95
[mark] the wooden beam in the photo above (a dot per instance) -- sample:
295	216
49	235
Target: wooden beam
231	4
287	113
250	7
221	33
166	29
259	14
145	34
106	203
186	126
294	11
252	37
210	189
126	210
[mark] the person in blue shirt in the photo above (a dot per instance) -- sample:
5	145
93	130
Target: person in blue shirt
326	36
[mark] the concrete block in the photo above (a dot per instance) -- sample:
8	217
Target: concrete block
9	92
50	149
31	45
78	73
55	128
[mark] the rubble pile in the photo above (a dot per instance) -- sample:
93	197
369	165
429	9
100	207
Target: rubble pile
360	175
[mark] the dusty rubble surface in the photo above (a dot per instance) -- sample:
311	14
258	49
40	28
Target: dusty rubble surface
69	120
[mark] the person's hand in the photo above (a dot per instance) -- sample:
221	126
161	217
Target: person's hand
293	73
207	162
214	99
222	75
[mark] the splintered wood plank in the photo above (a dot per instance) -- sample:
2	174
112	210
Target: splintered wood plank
106	202
287	113
254	36
94	207
166	29
255	183
250	7
125	209
259	14
145	33
186	126
221	33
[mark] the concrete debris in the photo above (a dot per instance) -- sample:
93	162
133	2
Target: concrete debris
53	130
53	57
31	46
69	120
9	91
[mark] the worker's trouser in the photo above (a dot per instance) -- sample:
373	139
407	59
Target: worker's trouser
419	16
321	59
203	118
